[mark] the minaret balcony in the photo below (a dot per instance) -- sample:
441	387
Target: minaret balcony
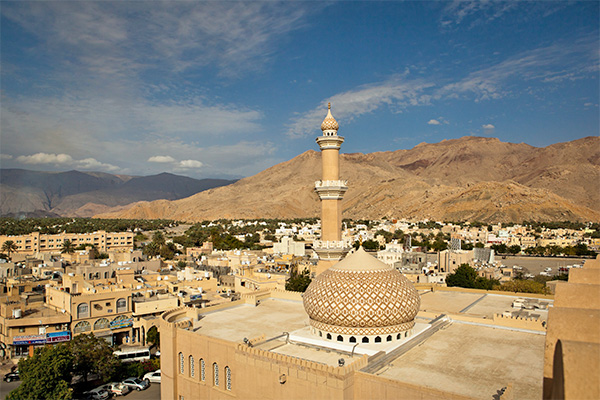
330	142
331	190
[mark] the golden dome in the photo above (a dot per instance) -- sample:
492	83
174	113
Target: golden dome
362	295
329	123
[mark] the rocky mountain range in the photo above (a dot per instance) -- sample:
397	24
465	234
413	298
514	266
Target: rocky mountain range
83	194
472	178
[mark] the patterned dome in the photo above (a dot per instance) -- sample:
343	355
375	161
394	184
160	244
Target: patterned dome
329	123
361	295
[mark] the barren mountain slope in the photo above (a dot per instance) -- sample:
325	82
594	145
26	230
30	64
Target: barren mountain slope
467	178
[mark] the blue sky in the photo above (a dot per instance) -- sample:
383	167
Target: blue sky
227	89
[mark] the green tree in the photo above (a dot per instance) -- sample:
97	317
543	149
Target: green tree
158	238
151	249
465	276
9	247
45	375
298	282
93	355
153	336
67	247
514	249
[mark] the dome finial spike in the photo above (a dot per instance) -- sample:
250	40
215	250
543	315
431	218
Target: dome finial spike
329	106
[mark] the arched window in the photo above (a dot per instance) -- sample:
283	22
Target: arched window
389	338
82	326
377	339
192	367
365	339
352	339
202	370
329	336
181	366
320	334
121	305
102	323
399	336
106	275
228	378
215	374
83	311
340	338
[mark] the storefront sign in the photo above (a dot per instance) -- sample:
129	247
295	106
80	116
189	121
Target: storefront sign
57	337
122	323
29	339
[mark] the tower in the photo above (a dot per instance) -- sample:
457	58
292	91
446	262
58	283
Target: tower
331	191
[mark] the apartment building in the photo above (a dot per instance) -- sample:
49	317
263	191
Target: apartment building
37	242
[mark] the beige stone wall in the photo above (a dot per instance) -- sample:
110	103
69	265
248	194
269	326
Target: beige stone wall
572	349
367	386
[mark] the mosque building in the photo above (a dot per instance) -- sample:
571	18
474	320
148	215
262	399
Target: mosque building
360	331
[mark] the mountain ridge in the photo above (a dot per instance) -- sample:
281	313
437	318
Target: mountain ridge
83	194
467	178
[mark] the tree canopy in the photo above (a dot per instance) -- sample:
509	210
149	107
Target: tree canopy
46	375
465	276
92	355
298	282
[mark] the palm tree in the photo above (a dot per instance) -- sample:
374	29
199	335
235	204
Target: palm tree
67	247
9	247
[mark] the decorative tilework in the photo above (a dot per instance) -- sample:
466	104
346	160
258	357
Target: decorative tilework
367	301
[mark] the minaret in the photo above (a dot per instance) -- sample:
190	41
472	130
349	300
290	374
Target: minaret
331	191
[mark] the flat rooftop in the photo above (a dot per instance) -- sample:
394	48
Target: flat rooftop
271	318
474	361
475	304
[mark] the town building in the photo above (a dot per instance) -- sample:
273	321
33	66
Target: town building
36	242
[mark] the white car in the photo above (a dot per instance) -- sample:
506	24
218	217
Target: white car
153	377
97	394
117	388
137	383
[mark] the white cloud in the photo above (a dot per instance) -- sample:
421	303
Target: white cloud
434	122
397	93
161	159
45	158
560	61
65	160
187	164
177	36
93	164
5	156
488	126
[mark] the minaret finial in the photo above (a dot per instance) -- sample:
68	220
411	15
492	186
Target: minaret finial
329	106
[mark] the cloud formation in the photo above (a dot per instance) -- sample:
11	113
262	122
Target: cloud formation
190	164
557	62
66	161
434	122
161	159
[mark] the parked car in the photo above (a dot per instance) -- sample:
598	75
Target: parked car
153	376
97	394
12	376
117	388
137	383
